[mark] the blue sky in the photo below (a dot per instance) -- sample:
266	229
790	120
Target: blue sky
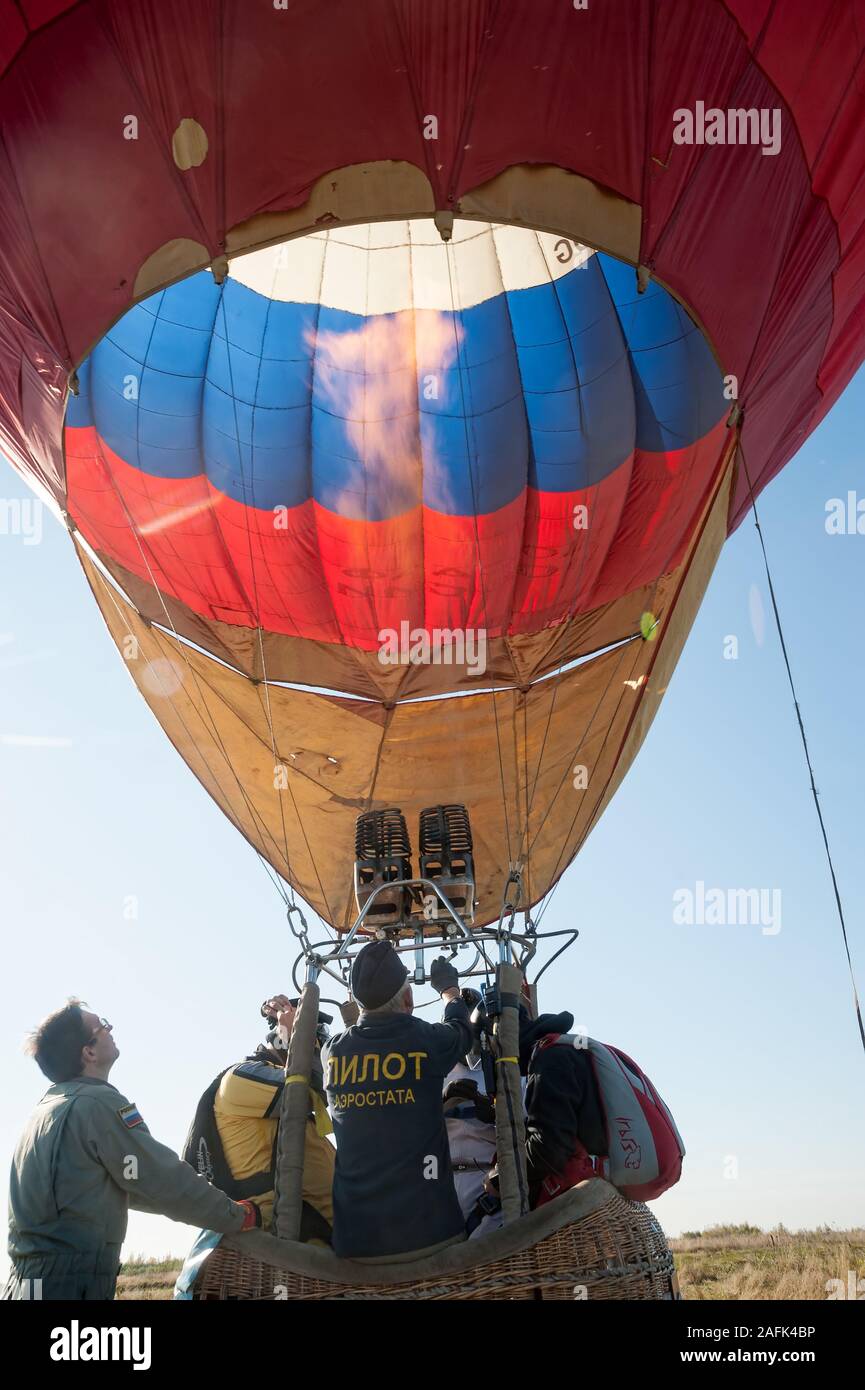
750	1037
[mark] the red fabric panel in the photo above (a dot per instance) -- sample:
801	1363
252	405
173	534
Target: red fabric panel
169	58
30	336
39	12
727	267
24	294
766	299
332	579
769	252
696	54
98	205
781	392
664	501
187	559
470	565
311	89
561	563
810	53
19	20
445	48
13	32
751	15
562	86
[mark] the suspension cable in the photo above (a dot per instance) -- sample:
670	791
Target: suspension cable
814	792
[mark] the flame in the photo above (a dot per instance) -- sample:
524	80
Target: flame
373	378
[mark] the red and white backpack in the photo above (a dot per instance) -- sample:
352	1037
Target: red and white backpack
645	1149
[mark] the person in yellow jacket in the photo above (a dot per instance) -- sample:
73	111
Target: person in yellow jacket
232	1141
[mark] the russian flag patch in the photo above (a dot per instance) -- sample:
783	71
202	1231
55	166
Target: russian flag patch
130	1116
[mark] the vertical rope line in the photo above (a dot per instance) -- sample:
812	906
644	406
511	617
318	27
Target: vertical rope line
814	792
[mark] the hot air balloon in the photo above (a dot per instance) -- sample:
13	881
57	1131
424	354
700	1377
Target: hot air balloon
444	477
398	399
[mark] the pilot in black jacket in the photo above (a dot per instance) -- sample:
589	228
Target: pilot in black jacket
393	1189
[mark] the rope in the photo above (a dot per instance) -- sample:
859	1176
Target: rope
815	794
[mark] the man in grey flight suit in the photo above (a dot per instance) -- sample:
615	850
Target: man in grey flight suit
85	1157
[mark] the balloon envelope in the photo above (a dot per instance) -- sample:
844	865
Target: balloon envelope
404	467
370	432
374	521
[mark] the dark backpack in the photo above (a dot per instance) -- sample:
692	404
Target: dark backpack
203	1151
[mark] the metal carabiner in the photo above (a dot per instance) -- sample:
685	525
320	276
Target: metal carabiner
301	934
510	906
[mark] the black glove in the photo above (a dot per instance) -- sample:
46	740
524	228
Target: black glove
468	1090
443	976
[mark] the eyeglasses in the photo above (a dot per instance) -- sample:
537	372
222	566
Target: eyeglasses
104	1027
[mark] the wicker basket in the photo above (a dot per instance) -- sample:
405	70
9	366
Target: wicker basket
590	1243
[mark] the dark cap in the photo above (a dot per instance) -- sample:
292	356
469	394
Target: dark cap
377	974
533	1029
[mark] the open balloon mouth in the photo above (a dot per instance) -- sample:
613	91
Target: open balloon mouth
367	426
378	464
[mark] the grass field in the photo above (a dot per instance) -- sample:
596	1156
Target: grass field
723	1262
743	1262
